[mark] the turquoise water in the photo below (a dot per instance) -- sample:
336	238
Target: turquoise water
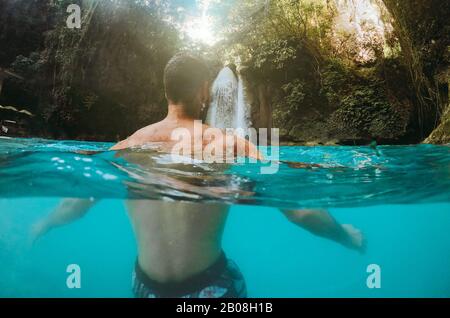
399	196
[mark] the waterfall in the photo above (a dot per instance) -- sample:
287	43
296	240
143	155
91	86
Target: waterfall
243	109
228	108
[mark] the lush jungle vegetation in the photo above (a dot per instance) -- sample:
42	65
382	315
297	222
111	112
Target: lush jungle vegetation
324	71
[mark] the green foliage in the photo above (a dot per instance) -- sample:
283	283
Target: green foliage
275	54
366	114
337	80
265	31
295	94
290	102
27	66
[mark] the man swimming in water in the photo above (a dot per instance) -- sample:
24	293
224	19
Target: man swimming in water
179	243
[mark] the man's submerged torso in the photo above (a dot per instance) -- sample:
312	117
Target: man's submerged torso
177	240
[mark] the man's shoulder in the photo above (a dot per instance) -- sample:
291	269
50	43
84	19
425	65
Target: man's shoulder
145	131
141	136
147	134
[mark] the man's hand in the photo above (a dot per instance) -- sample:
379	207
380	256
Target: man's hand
356	239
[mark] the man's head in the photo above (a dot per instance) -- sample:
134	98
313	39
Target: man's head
186	81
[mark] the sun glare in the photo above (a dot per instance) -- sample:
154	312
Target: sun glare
200	29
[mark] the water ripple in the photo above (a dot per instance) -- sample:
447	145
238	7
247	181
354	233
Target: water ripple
354	176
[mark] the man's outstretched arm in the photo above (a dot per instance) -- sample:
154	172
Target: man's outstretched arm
321	223
68	211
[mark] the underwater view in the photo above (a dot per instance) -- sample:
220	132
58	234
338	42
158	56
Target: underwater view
398	196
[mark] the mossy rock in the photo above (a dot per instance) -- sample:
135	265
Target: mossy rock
441	135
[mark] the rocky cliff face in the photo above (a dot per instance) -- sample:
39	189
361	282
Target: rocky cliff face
100	82
441	135
23	25
337	105
423	32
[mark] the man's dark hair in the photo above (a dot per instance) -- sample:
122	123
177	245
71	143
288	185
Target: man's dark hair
184	76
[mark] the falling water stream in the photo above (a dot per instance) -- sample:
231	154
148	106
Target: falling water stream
228	108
